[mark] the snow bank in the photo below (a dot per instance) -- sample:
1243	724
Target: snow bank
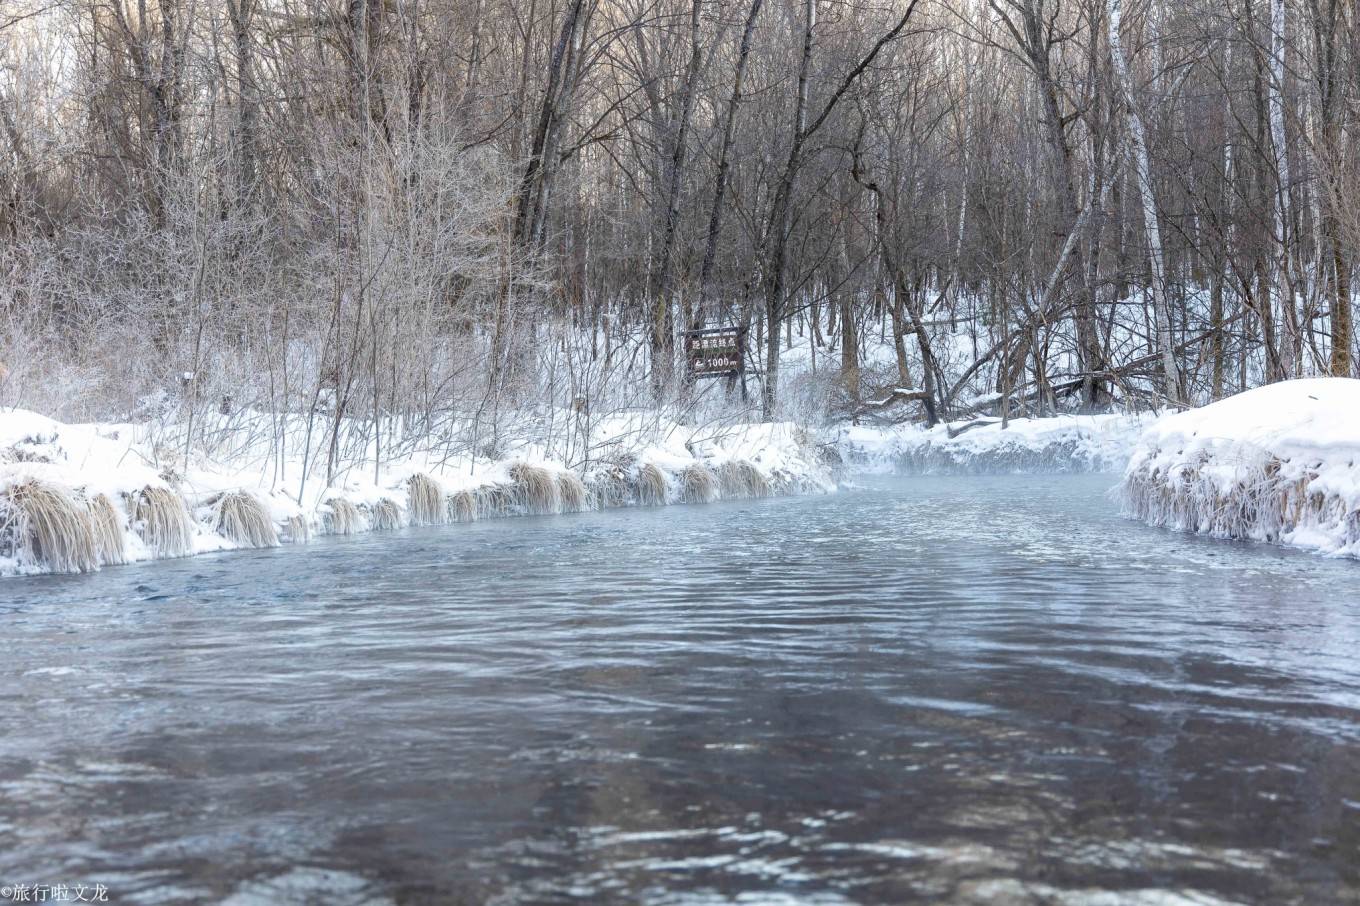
75	497
1279	464
1062	443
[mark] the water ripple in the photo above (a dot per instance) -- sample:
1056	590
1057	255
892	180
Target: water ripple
957	690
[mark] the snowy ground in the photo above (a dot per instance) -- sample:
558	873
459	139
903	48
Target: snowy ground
1280	463
1275	464
74	497
1063	443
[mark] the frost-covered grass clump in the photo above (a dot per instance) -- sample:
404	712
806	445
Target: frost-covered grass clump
42	522
162	521
1278	464
74	498
242	518
426	497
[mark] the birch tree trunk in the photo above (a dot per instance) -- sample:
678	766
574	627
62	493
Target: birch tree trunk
1142	175
1282	296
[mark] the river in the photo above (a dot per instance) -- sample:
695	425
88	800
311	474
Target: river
980	690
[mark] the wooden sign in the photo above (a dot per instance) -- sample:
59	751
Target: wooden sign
714	352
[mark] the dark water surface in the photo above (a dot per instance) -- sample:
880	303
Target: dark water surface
960	690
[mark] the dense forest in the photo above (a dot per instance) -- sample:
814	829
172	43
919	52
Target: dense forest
440	209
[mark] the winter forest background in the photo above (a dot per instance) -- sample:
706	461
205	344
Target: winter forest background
425	215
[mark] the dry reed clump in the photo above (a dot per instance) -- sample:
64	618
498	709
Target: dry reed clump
385	515
342	517
535	489
611	486
426	500
1262	501
495	500
651	486
462	506
162	521
240	517
47	525
108	530
572	492
699	484
297	530
740	479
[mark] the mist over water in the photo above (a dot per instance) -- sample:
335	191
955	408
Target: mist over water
968	690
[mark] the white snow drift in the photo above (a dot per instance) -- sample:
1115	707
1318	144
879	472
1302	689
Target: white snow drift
1280	464
1062	443
76	497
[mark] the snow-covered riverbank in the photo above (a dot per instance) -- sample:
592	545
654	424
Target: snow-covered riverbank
1280	463
1062	443
76	497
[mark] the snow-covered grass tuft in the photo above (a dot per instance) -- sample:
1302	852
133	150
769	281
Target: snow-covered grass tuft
536	489
162	521
144	510
240	517
45	525
108	530
297	530
610	486
1270	500
462	506
572	492
740	479
698	484
385	516
495	500
341	517
652	487
426	498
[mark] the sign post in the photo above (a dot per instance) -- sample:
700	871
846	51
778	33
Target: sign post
716	352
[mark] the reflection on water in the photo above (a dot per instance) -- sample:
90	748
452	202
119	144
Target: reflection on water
964	690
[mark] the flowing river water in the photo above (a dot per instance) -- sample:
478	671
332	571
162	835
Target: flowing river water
980	690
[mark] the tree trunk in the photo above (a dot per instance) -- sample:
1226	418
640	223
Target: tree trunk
724	165
1151	228
663	313
1282	296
